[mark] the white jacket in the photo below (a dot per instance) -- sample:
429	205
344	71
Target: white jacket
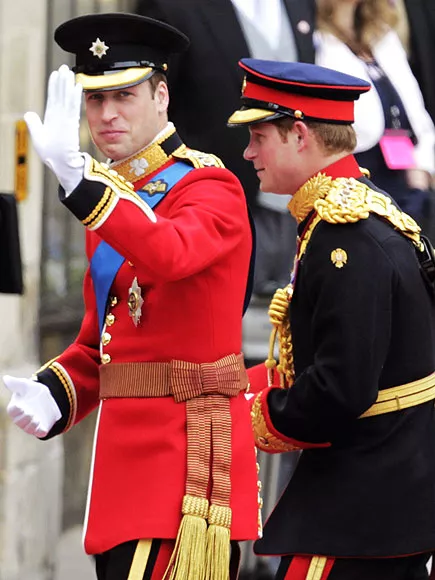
369	116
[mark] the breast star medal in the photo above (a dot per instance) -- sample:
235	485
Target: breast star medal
339	257
135	302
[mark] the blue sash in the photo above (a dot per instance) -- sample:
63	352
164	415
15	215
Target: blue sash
106	261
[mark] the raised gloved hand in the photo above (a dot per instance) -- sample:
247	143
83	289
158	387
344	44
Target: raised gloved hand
56	139
32	406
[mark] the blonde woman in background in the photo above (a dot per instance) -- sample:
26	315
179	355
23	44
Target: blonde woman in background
396	136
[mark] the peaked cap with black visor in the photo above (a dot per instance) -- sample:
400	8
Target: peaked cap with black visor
273	90
118	50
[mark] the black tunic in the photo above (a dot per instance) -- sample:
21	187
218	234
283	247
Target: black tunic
357	329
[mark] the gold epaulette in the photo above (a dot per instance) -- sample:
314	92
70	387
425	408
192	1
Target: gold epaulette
348	201
197	158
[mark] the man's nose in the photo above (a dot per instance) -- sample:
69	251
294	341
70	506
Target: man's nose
248	153
109	111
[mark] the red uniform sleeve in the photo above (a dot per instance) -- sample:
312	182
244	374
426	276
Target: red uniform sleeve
199	221
73	377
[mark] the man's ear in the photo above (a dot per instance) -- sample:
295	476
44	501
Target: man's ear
162	97
301	133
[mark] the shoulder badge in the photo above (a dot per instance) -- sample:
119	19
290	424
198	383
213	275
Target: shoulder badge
339	257
197	158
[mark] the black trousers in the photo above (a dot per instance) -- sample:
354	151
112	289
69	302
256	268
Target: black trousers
405	568
115	564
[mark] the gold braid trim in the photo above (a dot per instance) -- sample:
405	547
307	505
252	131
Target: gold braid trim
278	310
68	385
117	187
197	158
44	366
336	201
146	161
264	439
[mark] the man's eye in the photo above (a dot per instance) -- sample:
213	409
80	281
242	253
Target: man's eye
95	97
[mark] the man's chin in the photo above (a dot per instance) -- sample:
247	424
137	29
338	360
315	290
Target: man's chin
113	152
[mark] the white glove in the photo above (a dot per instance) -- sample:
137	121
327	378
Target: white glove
32	406
56	140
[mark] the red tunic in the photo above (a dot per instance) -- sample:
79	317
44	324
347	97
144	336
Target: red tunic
192	266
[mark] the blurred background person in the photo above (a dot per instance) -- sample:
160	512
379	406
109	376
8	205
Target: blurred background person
205	89
11	275
395	133
420	17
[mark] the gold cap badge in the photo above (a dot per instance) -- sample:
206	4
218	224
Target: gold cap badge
135	302
339	257
99	48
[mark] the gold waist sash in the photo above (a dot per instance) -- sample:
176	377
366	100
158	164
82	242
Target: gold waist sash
203	539
403	397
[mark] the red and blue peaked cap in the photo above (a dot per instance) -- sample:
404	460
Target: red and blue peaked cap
273	89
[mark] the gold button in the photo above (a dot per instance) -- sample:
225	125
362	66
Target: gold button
131	264
106	338
110	319
259	485
263	441
113	301
106	358
260	502
258	467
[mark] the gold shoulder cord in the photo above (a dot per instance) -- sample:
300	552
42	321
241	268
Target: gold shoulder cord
336	201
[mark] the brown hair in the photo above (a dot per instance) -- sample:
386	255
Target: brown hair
372	20
155	79
331	137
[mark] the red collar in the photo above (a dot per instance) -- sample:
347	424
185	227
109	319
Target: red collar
345	167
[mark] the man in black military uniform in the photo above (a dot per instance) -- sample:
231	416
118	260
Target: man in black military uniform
354	386
11	277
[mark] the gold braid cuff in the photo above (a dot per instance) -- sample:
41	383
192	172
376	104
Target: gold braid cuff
267	438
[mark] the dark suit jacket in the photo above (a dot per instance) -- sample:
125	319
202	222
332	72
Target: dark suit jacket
205	82
421	17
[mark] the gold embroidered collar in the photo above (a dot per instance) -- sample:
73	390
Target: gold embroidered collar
151	158
303	200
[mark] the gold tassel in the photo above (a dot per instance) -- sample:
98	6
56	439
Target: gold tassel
188	558
218	543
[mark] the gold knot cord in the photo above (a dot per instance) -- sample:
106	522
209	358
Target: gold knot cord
202	550
336	201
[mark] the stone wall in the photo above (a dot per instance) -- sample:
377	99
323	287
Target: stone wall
30	471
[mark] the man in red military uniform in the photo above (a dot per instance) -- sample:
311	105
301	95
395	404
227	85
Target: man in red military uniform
173	477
